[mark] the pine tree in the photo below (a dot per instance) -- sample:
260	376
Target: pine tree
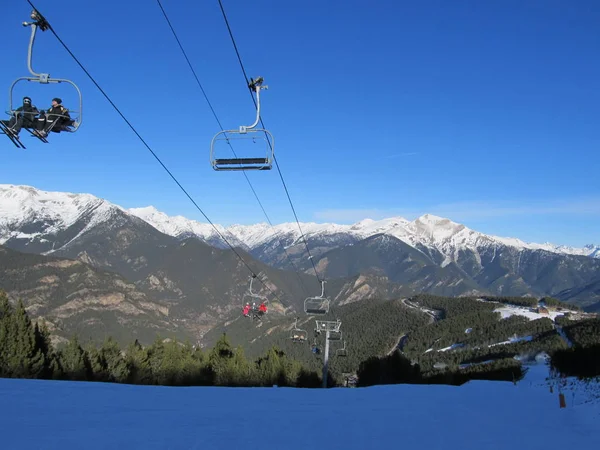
138	362
24	358
242	371
6	333
43	342
219	360
271	369
114	362
74	361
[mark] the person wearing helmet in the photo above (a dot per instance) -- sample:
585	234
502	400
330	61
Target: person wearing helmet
56	118
23	117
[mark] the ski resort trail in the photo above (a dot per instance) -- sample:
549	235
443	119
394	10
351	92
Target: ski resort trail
478	415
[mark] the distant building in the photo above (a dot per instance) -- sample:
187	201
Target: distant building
543	310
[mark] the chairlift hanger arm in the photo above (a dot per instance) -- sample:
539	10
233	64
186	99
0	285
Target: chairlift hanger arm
255	85
322	288
38	22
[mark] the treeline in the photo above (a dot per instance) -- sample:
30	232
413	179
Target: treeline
368	328
476	329
456	305
524	350
397	369
27	352
531	302
471	328
582	333
452	306
581	362
583	359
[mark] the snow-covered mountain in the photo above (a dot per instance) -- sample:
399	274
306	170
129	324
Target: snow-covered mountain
38	219
28	213
444	235
440	233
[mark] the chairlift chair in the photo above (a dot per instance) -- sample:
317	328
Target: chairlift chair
253	299
335	335
75	118
317	305
342	351
298	334
245	132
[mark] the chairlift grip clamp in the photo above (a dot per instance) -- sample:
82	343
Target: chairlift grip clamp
38	20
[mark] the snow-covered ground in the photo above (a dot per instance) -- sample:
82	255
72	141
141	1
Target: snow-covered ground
508	310
512	310
479	415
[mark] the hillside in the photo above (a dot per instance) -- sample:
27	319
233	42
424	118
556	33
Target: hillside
76	298
429	254
367	329
185	296
430	330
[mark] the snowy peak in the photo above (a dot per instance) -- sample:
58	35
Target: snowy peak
54	211
50	211
369	227
435	228
177	226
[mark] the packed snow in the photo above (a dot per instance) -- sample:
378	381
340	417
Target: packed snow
480	414
512	310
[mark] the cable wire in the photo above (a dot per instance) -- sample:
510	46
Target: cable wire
222	129
274	157
152	152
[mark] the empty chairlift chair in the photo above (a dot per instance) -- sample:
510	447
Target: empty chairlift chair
298	334
317	305
263	138
342	351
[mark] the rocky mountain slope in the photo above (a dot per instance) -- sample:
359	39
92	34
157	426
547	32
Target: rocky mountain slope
429	254
76	298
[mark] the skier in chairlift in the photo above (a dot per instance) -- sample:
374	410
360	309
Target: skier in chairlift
56	118
262	309
24	117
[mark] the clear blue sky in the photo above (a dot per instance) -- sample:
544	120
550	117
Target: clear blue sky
487	113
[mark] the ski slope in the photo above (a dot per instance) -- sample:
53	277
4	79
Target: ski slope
479	415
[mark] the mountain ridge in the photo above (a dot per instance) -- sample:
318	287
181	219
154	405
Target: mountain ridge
429	254
18	202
